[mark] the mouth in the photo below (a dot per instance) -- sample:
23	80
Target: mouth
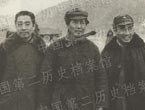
127	38
78	31
24	34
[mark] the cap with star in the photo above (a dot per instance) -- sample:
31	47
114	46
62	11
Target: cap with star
76	13
123	20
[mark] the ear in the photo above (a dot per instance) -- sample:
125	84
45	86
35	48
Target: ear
133	28
114	28
34	26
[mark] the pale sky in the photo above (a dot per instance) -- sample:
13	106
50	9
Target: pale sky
11	7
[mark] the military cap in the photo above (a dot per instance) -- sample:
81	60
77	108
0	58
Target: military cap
76	13
123	20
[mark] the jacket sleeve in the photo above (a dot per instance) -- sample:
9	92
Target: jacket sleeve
101	93
2	61
45	88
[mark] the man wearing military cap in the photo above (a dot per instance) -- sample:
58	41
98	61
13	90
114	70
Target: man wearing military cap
78	76
126	53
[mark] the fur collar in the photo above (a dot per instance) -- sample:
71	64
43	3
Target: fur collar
14	41
136	42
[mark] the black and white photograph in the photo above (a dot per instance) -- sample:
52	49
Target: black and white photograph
72	55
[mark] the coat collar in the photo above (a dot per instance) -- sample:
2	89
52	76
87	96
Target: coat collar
136	42
14	41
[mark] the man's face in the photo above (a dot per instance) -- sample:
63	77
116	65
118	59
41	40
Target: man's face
124	32
77	27
24	26
46	38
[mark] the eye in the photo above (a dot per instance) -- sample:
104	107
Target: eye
130	27
19	24
83	22
27	24
122	27
75	21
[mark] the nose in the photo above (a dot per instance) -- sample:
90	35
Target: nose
127	30
78	25
23	27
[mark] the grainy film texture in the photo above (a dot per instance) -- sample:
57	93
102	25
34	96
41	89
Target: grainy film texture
72	55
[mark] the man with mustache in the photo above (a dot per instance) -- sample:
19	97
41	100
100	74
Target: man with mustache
75	70
125	55
21	56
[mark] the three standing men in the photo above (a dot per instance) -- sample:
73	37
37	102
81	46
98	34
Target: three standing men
77	79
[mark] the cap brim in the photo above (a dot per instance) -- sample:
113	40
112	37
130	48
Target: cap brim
78	17
125	23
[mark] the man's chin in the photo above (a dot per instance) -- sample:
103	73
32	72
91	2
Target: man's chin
78	36
127	40
25	37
